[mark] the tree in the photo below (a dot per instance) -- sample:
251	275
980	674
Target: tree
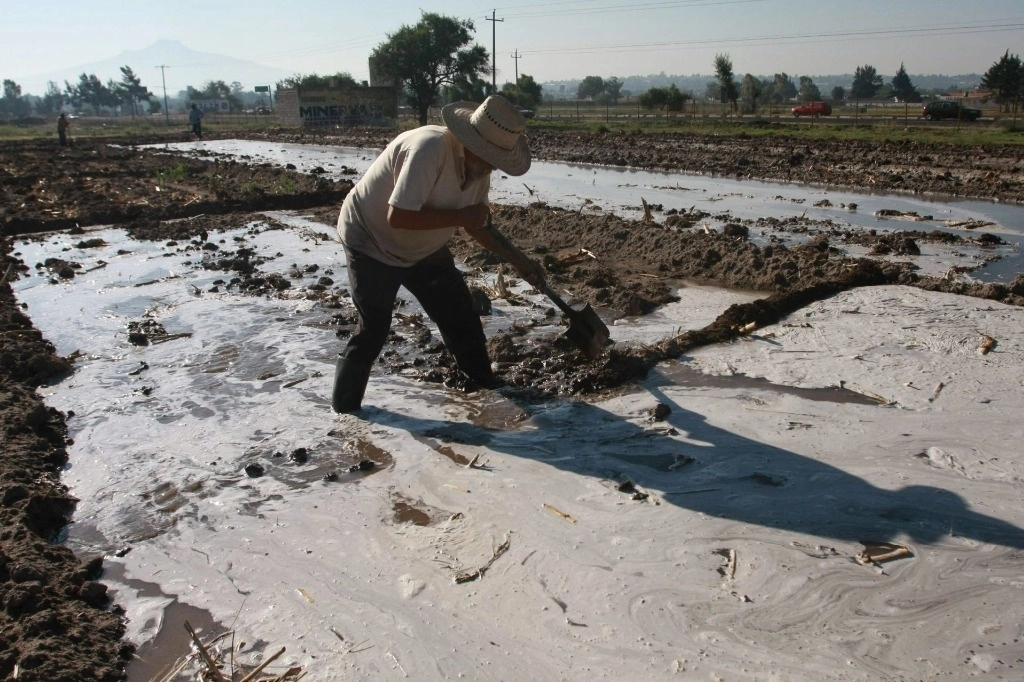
472	90
526	93
613	87
809	92
750	91
590	87
13	104
902	89
433	53
90	91
727	85
1005	80
670	98
783	89
312	81
655	98
130	89
53	100
838	93
215	90
866	83
676	99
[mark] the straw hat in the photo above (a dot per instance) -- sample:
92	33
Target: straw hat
493	131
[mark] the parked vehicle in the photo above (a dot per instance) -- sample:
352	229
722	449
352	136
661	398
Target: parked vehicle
949	108
812	109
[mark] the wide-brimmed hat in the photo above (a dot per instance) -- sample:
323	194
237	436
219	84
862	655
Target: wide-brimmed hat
494	131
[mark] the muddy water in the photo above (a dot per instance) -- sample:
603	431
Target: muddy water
622	191
165	435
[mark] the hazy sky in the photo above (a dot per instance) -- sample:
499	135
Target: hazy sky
556	40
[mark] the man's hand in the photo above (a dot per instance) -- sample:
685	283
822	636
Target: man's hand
530	270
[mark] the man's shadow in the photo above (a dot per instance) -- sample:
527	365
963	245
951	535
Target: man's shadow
689	463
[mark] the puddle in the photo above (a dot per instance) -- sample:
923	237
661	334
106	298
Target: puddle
170	642
683	375
406	512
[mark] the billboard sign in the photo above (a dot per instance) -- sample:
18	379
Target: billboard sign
212	106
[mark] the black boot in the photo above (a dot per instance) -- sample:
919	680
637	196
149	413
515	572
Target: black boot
350	379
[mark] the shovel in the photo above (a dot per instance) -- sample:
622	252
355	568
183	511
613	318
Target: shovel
586	330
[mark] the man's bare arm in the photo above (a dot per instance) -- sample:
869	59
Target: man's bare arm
469	217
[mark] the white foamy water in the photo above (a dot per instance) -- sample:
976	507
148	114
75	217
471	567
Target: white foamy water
738	564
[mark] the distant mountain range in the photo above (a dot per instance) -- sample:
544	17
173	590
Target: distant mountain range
183	67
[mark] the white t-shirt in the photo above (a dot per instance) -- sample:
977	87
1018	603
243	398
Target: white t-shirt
421	168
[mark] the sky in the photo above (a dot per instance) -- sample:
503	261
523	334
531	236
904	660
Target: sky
553	40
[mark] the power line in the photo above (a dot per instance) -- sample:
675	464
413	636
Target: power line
547	12
946	29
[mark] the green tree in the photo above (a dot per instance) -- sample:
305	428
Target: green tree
809	92
654	99
130	89
52	102
526	93
613	87
750	91
90	91
435	52
902	89
676	99
669	99
13	104
312	81
838	93
783	89
866	83
215	90
471	90
590	87
1005	80
728	90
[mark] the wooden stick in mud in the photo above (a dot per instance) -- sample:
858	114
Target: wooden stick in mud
213	668
258	669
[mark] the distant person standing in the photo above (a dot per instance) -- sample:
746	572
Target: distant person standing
62	130
195	117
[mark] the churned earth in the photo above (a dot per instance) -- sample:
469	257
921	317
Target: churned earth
56	622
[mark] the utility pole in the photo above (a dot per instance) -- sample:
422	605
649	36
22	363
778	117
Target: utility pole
494	55
167	116
516	56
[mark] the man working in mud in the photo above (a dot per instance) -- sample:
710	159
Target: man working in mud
395	225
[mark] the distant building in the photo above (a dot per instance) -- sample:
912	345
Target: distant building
975	98
343	106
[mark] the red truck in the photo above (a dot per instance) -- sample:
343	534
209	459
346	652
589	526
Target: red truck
812	109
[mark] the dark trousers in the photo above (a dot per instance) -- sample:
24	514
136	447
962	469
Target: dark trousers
438	286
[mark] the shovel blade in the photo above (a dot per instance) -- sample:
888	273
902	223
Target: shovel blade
587	332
